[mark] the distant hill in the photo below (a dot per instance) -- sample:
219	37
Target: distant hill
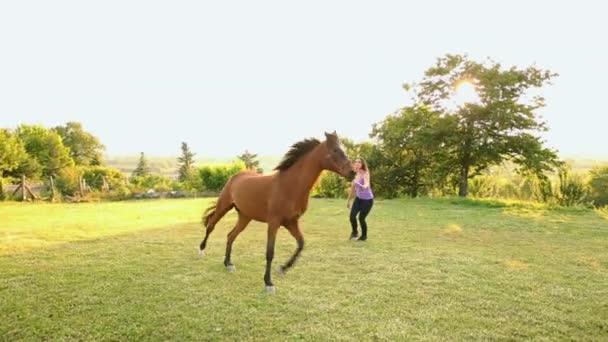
585	164
167	165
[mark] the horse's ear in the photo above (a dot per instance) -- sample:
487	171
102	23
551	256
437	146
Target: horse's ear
331	136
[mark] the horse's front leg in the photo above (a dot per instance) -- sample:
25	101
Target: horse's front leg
273	227
294	229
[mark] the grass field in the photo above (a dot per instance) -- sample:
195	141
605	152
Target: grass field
432	270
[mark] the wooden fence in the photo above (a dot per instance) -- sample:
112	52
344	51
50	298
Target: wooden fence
25	191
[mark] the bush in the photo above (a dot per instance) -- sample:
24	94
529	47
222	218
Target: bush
541	188
331	185
572	189
214	178
483	186
151	182
496	186
567	189
598	184
118	193
194	183
67	181
94	177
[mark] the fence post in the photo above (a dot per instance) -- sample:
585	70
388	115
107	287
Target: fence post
80	186
23	190
53	191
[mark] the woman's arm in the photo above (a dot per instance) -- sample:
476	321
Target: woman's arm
365	181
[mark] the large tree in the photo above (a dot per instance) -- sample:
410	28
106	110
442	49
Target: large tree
47	154
501	125
410	140
85	148
186	163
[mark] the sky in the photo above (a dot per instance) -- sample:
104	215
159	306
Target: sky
226	76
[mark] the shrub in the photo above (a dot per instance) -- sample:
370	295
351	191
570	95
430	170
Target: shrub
331	185
542	189
67	180
94	177
214	178
151	182
483	186
572	189
598	184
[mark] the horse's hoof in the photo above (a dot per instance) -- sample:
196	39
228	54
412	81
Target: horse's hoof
201	252
230	268
270	289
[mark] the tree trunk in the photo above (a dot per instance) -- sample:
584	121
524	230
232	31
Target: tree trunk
463	190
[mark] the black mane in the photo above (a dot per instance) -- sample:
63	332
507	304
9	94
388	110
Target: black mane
296	151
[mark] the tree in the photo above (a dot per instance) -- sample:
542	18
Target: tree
85	148
142	168
502	125
186	162
47	154
12	152
410	140
249	159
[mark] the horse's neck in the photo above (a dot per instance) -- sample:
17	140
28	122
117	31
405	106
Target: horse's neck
303	174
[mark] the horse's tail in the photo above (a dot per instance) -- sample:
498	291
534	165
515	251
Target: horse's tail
215	212
210	211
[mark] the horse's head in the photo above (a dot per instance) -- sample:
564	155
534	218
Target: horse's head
335	159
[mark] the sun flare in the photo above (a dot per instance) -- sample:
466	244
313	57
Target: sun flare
465	92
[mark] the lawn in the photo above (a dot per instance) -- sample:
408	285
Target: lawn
431	270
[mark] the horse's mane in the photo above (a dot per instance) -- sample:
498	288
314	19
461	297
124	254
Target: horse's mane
296	152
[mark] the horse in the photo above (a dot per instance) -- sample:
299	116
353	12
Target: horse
278	199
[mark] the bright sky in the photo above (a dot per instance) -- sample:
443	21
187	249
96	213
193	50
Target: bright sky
226	76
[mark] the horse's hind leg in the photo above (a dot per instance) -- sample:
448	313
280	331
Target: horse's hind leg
220	211
294	229
241	224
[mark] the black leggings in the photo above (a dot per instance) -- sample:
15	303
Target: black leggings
361	207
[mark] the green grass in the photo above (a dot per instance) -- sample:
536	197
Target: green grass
432	270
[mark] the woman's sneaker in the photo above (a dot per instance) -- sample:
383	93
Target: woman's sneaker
362	238
353	237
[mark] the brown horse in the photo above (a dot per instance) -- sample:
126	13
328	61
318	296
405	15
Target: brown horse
278	199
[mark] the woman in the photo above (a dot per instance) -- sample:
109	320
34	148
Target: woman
364	199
